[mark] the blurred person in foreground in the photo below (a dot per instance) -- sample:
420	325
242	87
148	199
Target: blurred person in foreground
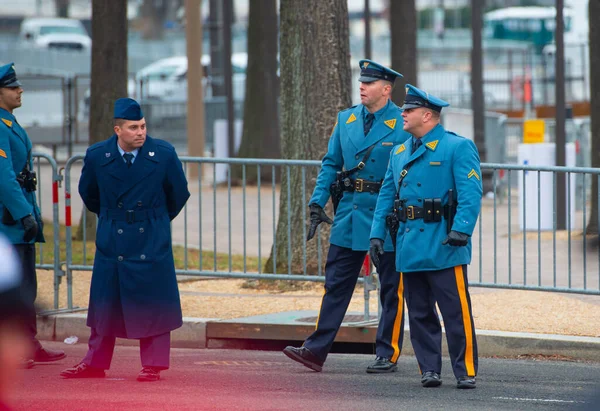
20	217
136	186
14	315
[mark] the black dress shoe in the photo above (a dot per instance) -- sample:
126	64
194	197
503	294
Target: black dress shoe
465	382
304	357
382	365
431	379
149	374
46	355
26	363
83	370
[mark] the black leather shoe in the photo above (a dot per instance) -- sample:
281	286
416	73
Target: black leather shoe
46	355
382	365
83	370
431	379
304	357
465	382
26	363
149	374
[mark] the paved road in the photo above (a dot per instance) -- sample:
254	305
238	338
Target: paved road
258	380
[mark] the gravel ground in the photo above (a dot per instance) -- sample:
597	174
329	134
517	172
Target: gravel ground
501	310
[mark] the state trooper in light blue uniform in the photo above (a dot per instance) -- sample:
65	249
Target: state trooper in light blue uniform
359	147
433	184
20	217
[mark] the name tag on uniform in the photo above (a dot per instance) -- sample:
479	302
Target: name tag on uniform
435	163
387	143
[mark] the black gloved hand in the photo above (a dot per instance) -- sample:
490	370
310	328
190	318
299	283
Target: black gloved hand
317	216
456	238
30	226
375	250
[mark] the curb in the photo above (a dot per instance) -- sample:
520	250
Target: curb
193	334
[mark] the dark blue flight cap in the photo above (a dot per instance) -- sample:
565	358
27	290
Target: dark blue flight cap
371	71
416	98
8	76
128	109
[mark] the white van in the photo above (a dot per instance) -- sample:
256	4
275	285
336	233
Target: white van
54	33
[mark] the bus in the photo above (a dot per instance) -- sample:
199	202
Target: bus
530	24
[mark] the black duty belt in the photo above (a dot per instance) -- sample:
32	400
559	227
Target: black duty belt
132	216
415	213
359	185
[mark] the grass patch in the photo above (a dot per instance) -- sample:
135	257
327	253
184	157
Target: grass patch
190	261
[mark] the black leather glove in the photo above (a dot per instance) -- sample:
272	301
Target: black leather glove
375	250
30	226
456	239
317	216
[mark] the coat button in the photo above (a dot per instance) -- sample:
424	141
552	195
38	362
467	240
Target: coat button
419	200
143	256
355	206
120	231
407	230
139	203
120	258
421	229
370	208
356	157
120	205
141	229
418	184
372	160
404	185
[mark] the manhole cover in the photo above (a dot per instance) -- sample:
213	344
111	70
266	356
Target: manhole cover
347	319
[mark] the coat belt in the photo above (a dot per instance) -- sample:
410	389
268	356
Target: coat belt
131	216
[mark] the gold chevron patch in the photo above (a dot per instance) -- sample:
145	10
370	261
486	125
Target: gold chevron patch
473	173
390	123
7	122
351	118
432	144
400	149
2	153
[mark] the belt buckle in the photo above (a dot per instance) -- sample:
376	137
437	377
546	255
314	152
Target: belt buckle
130	216
358	185
410	212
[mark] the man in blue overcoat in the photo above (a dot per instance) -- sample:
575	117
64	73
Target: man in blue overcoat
355	164
136	185
433	188
20	217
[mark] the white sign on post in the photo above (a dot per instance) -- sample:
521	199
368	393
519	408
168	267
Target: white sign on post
221	145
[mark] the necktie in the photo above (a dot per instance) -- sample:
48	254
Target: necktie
416	144
128	159
369	122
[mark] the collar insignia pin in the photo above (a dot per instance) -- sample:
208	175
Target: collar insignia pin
151	153
107	155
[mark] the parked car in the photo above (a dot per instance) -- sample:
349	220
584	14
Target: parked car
54	33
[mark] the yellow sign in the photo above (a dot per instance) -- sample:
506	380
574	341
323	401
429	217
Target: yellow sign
533	131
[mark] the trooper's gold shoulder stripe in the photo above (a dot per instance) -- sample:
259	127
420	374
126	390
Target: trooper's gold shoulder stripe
2	153
473	173
390	123
432	145
400	149
351	118
7	122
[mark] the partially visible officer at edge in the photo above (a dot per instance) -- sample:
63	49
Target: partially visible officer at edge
14	317
433	186
20	218
136	186
353	169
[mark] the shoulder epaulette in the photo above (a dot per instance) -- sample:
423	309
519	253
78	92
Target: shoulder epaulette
164	144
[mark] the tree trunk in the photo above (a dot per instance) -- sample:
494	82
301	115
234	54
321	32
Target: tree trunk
594	41
315	85
260	136
62	8
153	15
109	77
403	28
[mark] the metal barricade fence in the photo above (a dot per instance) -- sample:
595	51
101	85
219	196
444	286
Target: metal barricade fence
227	225
52	244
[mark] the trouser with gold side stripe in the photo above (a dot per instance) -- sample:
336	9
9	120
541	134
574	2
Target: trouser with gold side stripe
449	288
341	273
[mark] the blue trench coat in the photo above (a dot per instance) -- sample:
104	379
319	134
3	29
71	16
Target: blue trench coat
134	291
